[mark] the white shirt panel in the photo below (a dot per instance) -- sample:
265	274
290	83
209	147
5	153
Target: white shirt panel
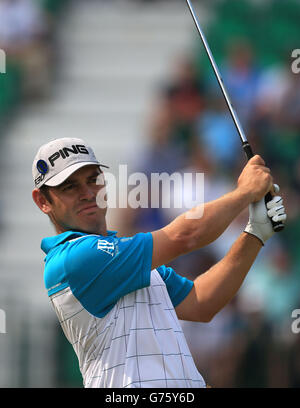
138	344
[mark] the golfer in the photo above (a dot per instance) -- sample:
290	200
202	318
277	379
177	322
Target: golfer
118	304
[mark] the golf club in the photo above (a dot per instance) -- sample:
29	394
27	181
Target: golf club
277	226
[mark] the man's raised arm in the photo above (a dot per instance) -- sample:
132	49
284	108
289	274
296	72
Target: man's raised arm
187	233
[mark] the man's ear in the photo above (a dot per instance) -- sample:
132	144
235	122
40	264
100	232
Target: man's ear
41	201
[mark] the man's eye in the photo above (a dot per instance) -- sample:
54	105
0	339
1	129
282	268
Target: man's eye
68	187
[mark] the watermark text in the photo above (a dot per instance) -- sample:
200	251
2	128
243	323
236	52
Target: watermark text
296	62
2	321
2	62
182	191
296	323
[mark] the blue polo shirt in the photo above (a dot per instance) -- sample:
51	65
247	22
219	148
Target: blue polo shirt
101	269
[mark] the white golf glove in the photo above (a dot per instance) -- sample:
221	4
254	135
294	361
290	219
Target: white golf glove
259	222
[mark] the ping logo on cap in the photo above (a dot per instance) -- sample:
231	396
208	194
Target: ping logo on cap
65	152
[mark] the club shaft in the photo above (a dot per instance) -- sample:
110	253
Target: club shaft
277	226
220	81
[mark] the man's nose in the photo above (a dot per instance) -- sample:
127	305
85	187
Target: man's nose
86	193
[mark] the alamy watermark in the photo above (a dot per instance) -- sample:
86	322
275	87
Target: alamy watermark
182	191
2	71
296	323
296	62
2	321
2	62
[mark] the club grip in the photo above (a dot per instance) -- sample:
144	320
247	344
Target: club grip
247	150
277	226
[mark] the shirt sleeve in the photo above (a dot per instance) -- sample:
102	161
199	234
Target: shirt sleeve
178	286
101	270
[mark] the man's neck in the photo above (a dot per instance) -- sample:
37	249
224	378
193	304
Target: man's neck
100	231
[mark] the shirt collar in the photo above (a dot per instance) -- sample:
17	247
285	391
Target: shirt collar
51	242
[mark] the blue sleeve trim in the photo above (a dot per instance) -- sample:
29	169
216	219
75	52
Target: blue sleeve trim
57	288
178	286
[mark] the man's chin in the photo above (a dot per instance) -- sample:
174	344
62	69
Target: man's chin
86	228
89	224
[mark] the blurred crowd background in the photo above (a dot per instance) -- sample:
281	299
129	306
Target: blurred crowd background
27	35
189	129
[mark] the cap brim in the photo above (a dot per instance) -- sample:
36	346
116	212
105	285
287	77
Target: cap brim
64	174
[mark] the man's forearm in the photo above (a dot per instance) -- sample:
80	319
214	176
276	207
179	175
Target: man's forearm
217	216
216	287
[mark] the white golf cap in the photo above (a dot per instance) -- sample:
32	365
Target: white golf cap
58	159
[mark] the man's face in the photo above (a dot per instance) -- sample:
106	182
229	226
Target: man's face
73	203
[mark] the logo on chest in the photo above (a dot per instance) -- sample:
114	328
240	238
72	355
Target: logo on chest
106	246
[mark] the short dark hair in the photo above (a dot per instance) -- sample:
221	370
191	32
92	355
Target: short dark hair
45	190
